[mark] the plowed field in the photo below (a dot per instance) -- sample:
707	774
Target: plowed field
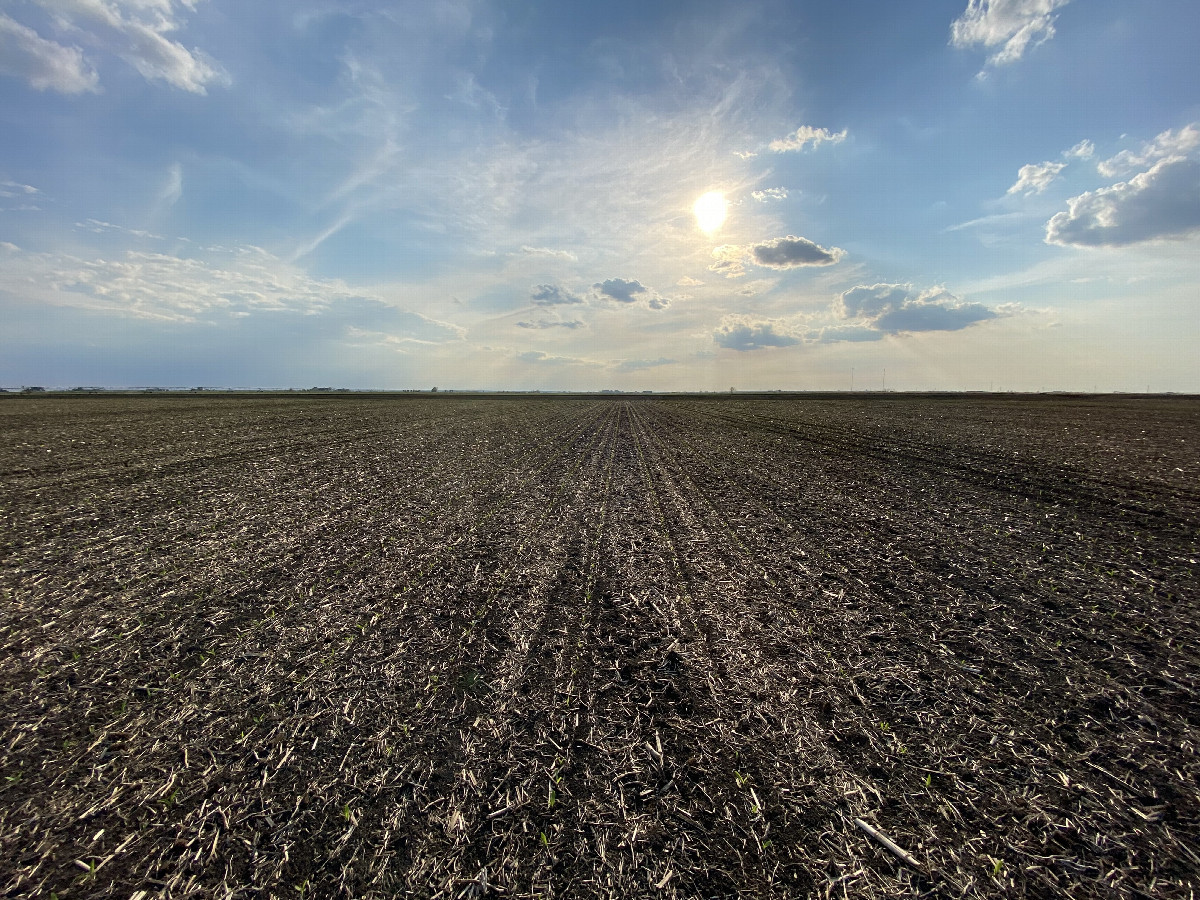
378	646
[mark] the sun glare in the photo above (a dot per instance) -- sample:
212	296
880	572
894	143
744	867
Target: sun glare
710	211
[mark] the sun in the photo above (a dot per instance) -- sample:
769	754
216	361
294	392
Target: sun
710	211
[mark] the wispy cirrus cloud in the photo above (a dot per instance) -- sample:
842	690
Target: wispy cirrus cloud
209	289
44	64
136	31
805	137
1010	26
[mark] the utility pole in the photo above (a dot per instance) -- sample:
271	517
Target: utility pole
852	379
885	381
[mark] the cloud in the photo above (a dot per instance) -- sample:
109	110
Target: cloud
96	226
172	190
744	334
728	260
1085	149
769	194
542	324
620	290
636	365
1162	202
554	295
790	252
1011	25
16	189
688	281
806	135
543	358
210	289
1170	143
1035	178
134	30
897	308
546	251
624	291
44	64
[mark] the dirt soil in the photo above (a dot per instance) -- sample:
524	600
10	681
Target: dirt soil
453	646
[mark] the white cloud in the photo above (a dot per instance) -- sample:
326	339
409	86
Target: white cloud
44	64
688	281
543	324
805	136
1170	143
1035	178
1085	149
547	251
1011	25
134	30
16	189
1162	202
764	196
637	365
95	226
728	260
243	282
172	190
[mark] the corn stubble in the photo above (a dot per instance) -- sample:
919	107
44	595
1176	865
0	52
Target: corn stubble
599	647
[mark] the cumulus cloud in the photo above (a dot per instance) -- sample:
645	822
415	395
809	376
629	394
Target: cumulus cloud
806	136
44	64
620	290
744	334
134	30
543	324
553	295
688	281
1181	142
790	252
624	291
1035	178
1162	202
1085	149
1011	25
764	196
897	308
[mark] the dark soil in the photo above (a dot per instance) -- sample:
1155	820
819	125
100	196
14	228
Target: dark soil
379	646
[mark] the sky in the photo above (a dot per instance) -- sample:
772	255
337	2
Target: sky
944	195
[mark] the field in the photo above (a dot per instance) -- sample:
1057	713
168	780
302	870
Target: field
455	646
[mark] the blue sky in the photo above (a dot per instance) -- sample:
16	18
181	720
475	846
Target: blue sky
968	195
